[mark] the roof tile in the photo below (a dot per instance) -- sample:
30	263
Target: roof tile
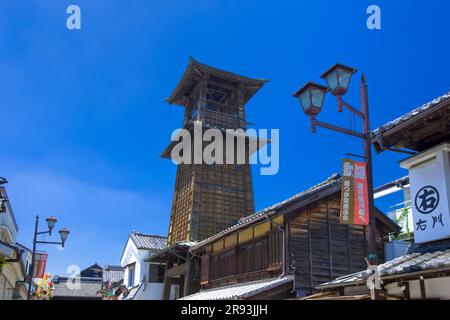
148	241
412	114
239	291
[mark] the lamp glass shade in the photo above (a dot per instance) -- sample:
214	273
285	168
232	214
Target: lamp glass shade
317	97
338	78
344	77
51	221
332	81
311	97
64	233
305	100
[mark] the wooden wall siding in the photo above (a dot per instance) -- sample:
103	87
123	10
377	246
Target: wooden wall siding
257	259
321	248
182	204
217	194
224	195
279	293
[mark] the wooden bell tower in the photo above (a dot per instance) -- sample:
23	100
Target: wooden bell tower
209	198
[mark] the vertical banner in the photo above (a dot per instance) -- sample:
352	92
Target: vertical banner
40	264
354	193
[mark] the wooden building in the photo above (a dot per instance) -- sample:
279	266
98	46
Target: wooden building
300	237
208	198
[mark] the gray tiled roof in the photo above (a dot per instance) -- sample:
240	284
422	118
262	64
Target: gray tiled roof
412	114
88	289
148	241
416	262
405	264
239	291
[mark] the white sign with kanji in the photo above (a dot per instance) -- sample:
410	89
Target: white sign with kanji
429	176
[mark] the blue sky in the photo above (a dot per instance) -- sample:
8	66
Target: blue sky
84	119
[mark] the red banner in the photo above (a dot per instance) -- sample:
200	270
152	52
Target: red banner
39	265
354	193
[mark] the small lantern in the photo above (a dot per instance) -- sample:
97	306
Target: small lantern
338	78
64	233
311	97
51	221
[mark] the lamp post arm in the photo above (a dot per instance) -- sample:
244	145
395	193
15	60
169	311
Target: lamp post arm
49	242
44	232
342	103
314	122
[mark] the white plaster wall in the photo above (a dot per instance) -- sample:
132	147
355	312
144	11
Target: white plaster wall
152	291
437	288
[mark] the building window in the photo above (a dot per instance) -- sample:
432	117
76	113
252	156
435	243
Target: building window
156	273
131	271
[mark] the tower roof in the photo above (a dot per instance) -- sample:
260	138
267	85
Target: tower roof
196	70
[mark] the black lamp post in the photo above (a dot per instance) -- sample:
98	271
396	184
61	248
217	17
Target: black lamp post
311	98
64	233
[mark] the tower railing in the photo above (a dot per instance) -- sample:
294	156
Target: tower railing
204	110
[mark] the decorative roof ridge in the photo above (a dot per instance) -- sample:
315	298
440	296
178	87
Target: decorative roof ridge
233	74
134	232
191	76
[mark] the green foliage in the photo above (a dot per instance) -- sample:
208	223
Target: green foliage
403	221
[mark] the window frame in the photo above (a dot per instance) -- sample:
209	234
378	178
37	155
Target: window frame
159	277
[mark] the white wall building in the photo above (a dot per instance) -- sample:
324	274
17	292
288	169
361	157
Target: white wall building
15	259
143	280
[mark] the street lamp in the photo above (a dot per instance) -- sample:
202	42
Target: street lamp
51	221
63	233
311	97
338	79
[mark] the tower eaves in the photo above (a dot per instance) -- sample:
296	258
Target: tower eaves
197	70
